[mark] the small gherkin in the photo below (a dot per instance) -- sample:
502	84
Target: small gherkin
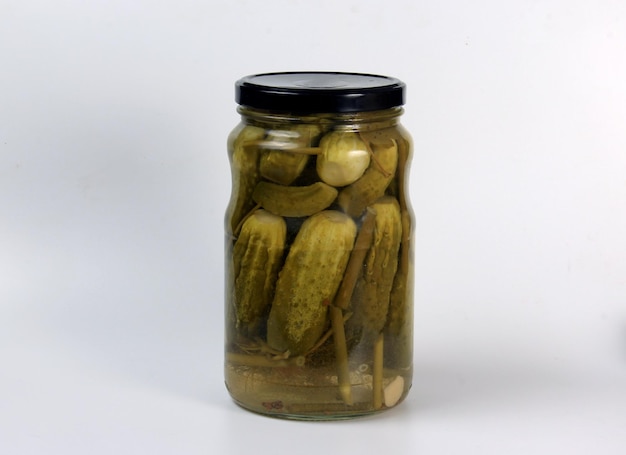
257	257
354	198
294	201
244	158
371	297
309	281
282	167
281	160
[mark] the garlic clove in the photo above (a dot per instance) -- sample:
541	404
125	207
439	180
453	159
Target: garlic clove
343	159
393	392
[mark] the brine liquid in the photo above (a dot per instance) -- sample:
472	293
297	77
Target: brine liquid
301	392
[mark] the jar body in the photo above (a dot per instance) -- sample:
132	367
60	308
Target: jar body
319	264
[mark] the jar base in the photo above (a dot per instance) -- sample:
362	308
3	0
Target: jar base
257	390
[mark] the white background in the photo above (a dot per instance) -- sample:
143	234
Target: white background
114	180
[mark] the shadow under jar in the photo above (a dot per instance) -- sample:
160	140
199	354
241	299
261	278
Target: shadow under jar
319	247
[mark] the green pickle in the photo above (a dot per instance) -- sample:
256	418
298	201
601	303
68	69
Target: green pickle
319	264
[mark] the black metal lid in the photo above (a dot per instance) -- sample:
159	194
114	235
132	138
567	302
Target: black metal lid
318	92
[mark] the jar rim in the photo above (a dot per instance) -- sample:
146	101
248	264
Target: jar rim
319	91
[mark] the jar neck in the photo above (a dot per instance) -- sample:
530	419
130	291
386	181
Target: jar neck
354	121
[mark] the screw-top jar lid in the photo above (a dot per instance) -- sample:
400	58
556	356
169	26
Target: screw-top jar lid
319	92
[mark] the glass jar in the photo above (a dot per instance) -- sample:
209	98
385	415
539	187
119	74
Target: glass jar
319	247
